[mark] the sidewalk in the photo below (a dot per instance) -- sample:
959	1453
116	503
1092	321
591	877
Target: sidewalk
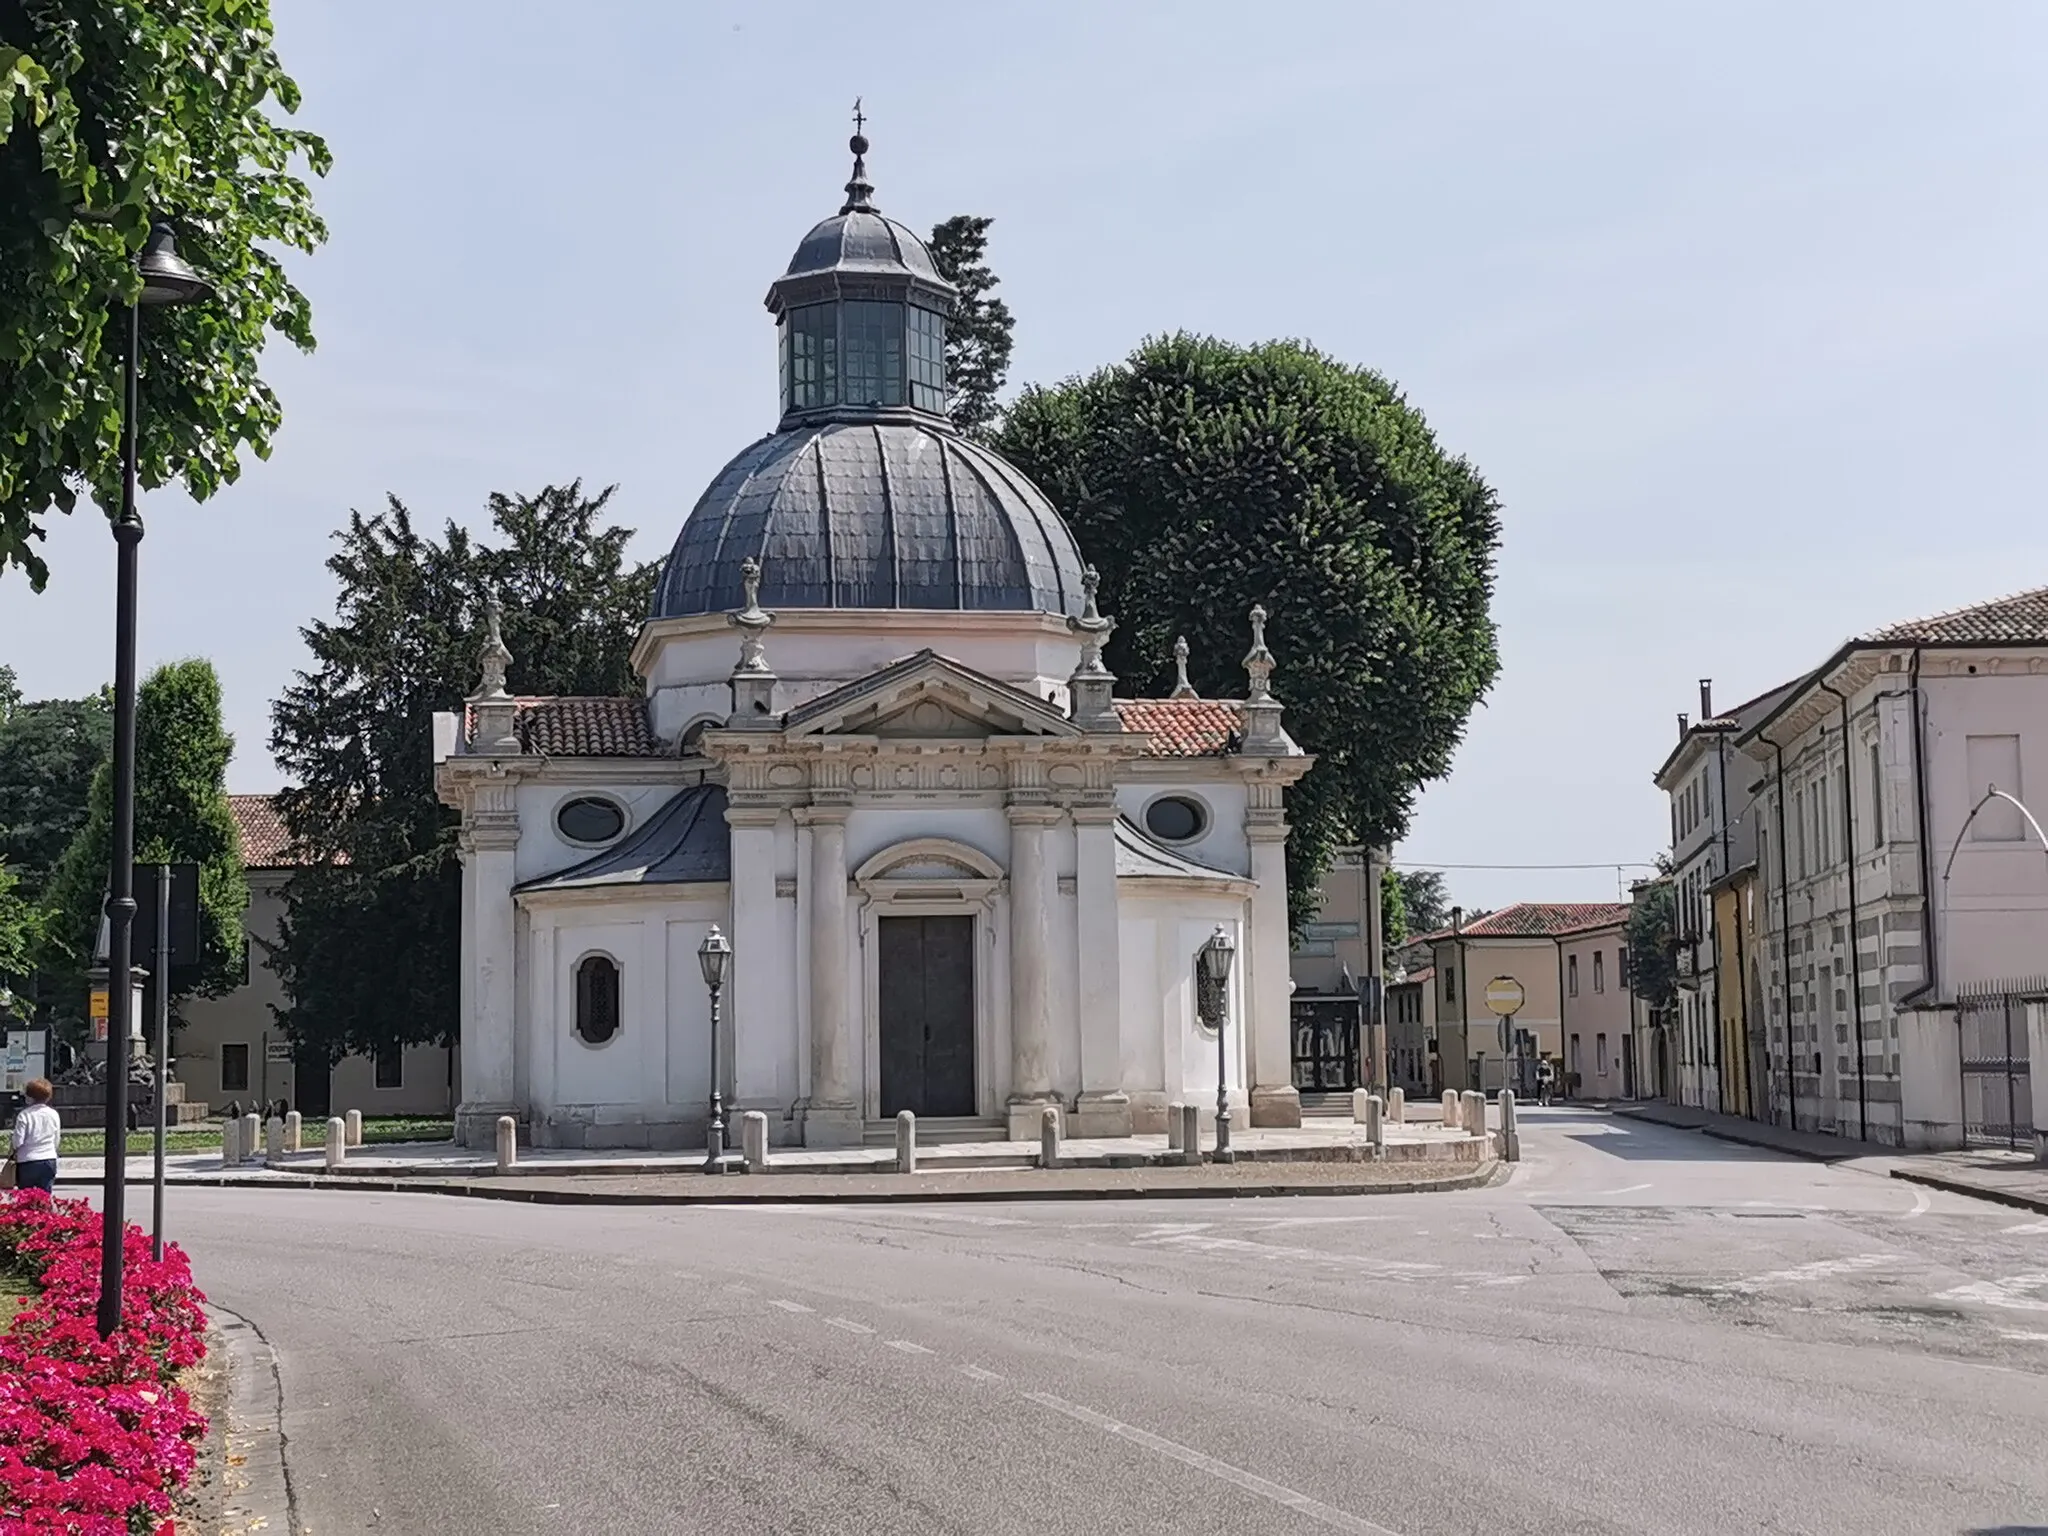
2008	1178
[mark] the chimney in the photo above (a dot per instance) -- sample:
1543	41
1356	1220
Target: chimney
1706	698
1683	725
1457	919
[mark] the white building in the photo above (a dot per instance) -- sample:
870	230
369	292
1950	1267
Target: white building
1913	911
877	747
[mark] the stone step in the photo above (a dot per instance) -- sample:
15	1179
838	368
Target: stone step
937	1130
1326	1106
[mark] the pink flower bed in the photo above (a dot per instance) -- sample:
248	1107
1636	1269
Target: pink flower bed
95	1434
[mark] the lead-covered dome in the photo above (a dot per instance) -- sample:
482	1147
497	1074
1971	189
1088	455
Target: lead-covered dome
874	514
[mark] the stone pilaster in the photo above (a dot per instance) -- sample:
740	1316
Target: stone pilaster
1269	992
757	962
489	842
1031	890
1103	1108
833	1117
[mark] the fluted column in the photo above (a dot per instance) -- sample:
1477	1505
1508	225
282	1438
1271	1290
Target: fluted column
1030	1029
834	1116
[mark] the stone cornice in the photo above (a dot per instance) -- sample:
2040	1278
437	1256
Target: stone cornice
912	623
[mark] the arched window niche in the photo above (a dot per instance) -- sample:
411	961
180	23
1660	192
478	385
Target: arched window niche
597	999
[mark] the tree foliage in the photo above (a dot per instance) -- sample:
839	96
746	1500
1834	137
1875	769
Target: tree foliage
1393	914
979	336
1202	477
356	734
117	112
21	930
48	751
1652	973
1427	900
182	816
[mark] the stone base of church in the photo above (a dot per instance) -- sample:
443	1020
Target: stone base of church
833	1125
476	1125
1100	1114
1026	1116
1148	1114
1276	1106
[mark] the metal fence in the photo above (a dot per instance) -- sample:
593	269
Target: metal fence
1998	1103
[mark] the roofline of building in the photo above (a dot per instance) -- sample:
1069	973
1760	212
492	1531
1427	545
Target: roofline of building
1728	723
1797	691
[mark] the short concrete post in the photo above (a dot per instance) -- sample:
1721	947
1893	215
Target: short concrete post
273	1139
754	1140
1191	1133
354	1122
1049	1137
1175	1131
906	1141
508	1143
252	1137
337	1141
1510	1137
1358	1105
1375	1124
1397	1106
231	1143
294	1131
1454	1115
1474	1115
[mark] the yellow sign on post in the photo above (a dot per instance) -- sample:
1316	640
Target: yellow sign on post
1504	996
96	1010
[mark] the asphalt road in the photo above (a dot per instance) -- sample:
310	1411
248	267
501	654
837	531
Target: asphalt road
1643	1331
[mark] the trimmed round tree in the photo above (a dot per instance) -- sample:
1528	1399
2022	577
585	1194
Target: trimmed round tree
1201	477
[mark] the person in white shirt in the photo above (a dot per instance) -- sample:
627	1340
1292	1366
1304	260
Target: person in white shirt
37	1131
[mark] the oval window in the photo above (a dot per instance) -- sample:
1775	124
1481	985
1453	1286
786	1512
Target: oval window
597	999
1175	819
589	820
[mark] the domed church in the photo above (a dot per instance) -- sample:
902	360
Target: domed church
878	749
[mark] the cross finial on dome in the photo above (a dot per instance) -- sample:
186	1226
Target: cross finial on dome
859	191
1182	688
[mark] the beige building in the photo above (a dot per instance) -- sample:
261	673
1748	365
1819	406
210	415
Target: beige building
1338	1042
1570	961
1411	1018
232	1048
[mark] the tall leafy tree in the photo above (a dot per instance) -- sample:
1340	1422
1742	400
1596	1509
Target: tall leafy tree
182	816
114	113
48	751
980	334
1425	899
21	930
1651	934
1394	927
356	733
1201	477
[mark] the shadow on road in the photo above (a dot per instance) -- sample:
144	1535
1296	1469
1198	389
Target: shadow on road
1622	1138
2007	1530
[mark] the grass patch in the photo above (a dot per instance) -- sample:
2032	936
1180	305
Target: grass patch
15	1293
377	1131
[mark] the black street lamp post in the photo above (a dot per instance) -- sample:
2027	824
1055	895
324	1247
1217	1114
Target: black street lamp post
1214	960
165	280
715	955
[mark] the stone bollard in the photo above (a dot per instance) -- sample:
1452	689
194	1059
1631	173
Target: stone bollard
354	1122
294	1131
1454	1115
1510	1136
508	1143
1358	1106
1375	1124
754	1140
252	1137
1175	1131
906	1141
231	1142
1049	1137
1473	1117
273	1139
1191	1133
337	1142
1397	1106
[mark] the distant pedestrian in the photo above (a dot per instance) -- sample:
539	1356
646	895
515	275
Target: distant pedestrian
1545	1079
37	1130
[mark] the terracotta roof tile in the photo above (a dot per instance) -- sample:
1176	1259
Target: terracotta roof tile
1412	978
2023	616
1184	727
569	725
1546	919
266	841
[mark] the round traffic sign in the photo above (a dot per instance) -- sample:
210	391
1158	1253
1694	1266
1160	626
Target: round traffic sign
1504	995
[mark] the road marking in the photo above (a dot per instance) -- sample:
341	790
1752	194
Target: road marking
1626	1190
848	1324
2027	1338
1820	1269
790	1306
964	1217
740	1290
1921	1201
2013	1292
908	1348
1251	1482
2028	1226
979	1374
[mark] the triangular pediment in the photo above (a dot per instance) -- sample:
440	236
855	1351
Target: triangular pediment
928	697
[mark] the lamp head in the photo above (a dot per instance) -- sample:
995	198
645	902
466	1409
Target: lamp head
167	278
714	955
1217	954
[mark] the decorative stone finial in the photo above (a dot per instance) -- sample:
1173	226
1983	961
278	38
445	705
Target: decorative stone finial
753	680
859	190
1258	662
1182	688
1091	683
495	658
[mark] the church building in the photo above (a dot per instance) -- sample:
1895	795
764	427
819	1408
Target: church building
878	749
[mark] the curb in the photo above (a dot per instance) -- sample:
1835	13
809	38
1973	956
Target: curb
740	1191
1728	1134
1974	1191
259	1496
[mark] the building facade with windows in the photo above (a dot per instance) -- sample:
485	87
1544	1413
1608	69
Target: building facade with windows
1342	1013
231	1049
877	749
1901	874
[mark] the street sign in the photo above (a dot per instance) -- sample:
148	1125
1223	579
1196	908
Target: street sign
1504	996
278	1050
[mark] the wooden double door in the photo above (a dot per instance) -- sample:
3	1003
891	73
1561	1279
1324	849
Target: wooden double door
926	971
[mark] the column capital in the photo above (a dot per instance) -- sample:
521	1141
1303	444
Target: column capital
821	815
1095	815
1266	831
752	816
1033	814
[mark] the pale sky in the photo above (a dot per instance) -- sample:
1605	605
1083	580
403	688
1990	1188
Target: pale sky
1739	307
